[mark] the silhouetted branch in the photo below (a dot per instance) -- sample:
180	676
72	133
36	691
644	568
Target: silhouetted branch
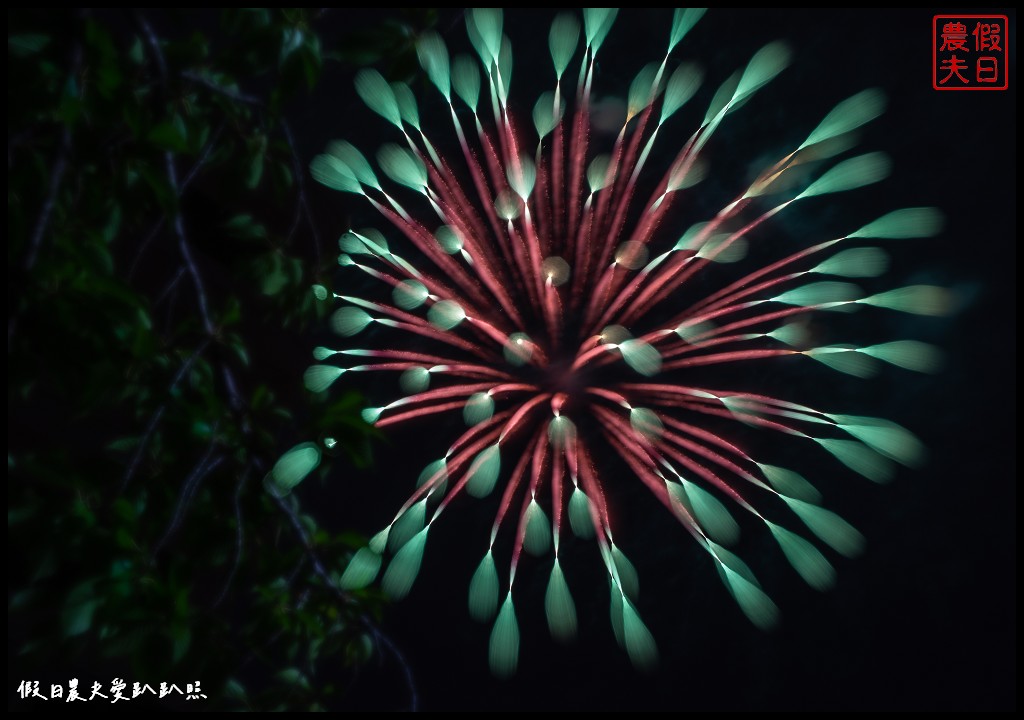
302	209
205	466
158	415
239	537
379	636
230	93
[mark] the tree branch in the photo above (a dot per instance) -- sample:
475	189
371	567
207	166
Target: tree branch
300	184
227	92
379	636
205	466
239	538
158	415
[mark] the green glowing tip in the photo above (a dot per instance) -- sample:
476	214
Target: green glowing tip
640	646
320	292
707	510
829	527
522	175
682	22
330	171
329	443
681	86
616	614
597	23
641	357
886	437
859	458
379	542
414	380
914	299
598	176
561	431
446	314
845	360
789	483
559	606
466	80
370	415
402	166
766	64
483	590
793	334
722	97
555	270
347	153
806	559
488	22
721	249
740	581
406	104
615	334
629	580
437	468
404	567
407	525
580	519
504	69
631	255
848	115
820	293
915	222
409	294
351	243
361	571
642	90
433	56
691	331
686	175
449	239
508	205
483	472
318	378
519	349
855	262
562	41
293	467
850	174
479	408
350	321
504	649
544	117
907	354
378	95
690	240
646	423
537	538
322	353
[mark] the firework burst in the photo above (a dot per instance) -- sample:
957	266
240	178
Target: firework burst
544	296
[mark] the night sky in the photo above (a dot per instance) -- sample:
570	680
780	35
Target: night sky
926	618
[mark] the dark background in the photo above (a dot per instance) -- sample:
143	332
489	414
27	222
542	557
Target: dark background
926	619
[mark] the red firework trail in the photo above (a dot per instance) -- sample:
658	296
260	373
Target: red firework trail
536	276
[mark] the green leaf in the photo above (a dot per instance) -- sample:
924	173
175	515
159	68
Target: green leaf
294	676
169	135
79	608
246	227
26	44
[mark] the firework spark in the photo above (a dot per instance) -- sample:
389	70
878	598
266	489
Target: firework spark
543	294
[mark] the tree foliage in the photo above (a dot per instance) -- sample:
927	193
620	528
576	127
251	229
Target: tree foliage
161	251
